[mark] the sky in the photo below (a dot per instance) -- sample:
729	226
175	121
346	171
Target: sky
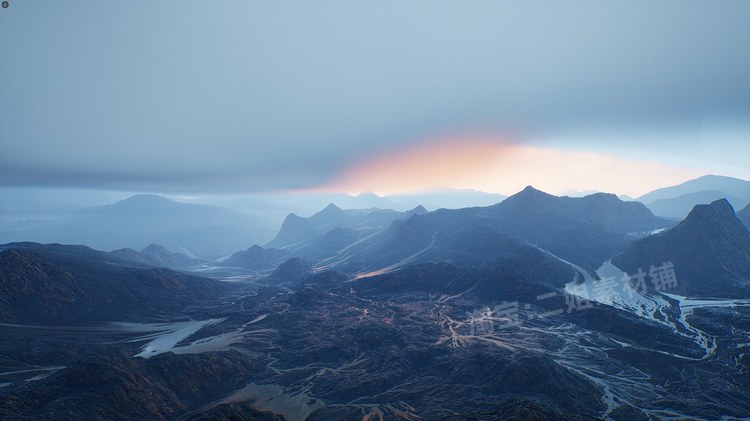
189	97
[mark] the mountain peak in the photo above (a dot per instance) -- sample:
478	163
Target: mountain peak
331	214
719	209
291	271
529	192
155	249
710	250
419	210
719	177
530	189
603	209
332	208
722	205
140	199
294	228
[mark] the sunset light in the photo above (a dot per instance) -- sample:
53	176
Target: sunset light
499	166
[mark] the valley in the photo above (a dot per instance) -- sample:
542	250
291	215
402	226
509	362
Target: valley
466	314
325	352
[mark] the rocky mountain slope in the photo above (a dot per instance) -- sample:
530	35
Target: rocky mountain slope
710	252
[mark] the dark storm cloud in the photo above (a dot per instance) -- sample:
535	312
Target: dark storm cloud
263	95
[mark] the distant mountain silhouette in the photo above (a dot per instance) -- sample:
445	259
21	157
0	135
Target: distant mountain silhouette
206	231
256	258
332	216
601	209
139	202
680	206
710	251
318	237
297	231
58	283
585	231
448	198
293	230
677	201
156	255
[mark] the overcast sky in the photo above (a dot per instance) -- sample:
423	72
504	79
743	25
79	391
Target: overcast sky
233	96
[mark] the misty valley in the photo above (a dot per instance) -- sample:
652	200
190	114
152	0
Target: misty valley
536	307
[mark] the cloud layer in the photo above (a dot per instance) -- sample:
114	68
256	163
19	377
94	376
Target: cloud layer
248	96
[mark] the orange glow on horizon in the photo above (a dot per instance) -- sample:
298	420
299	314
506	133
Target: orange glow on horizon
442	163
498	166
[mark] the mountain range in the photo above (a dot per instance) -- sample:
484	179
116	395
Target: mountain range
677	201
585	231
297	232
506	311
213	232
206	231
159	256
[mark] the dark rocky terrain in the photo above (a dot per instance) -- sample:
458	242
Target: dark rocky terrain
63	284
471	314
710	251
744	216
